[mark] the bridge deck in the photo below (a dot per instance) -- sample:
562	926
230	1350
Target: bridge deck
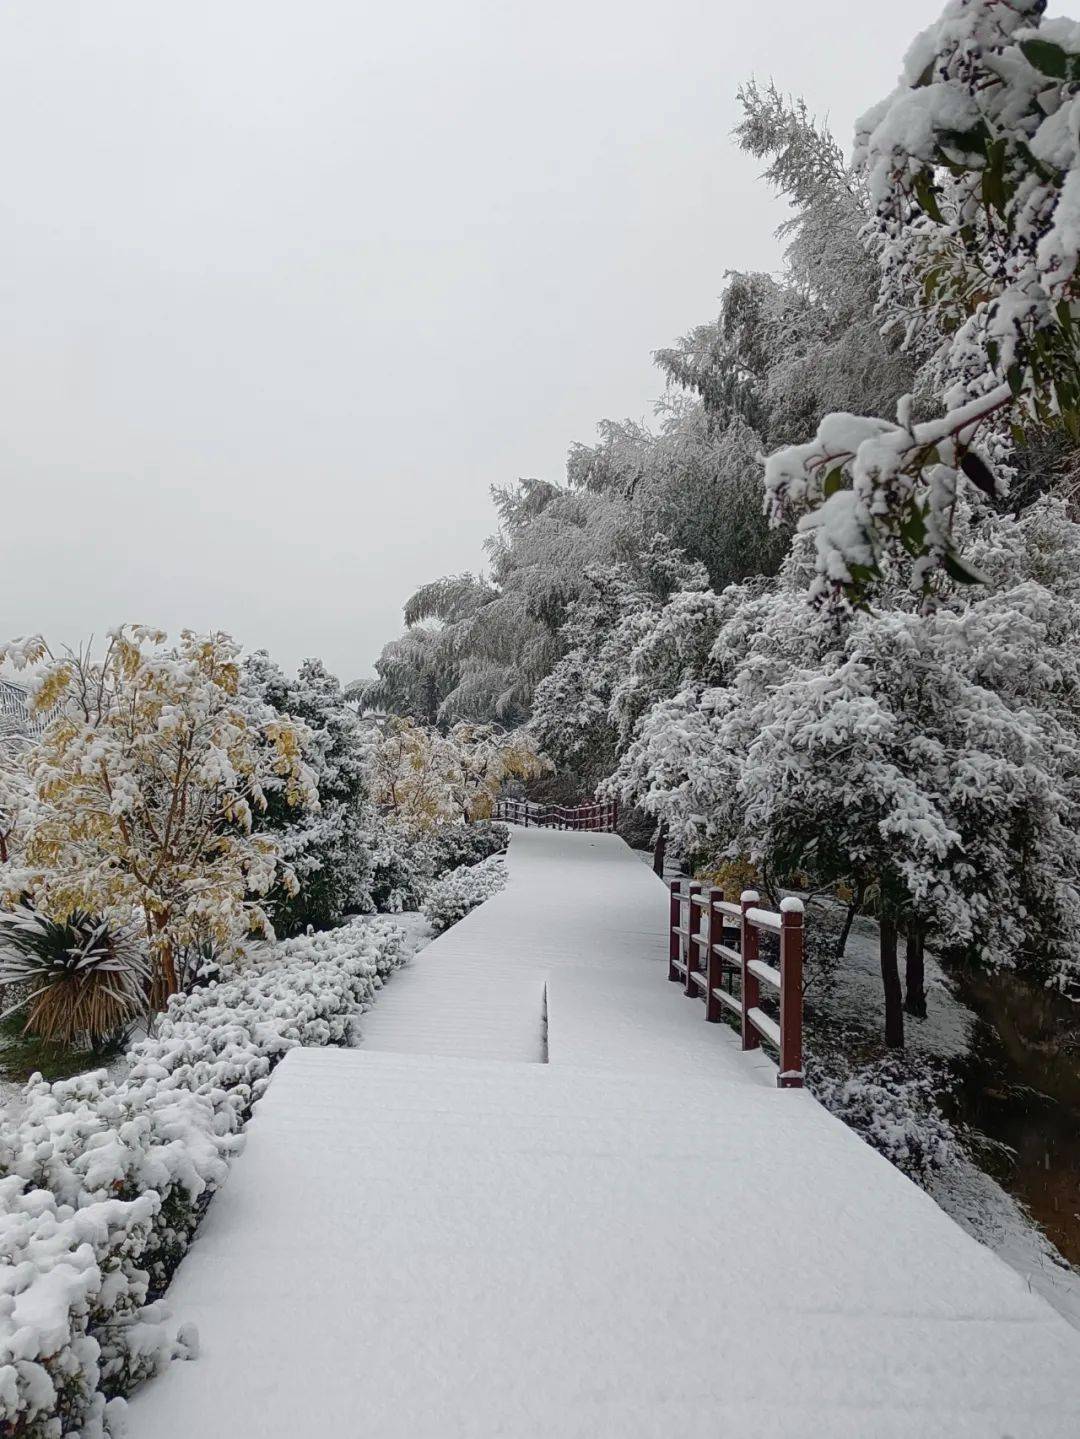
439	1234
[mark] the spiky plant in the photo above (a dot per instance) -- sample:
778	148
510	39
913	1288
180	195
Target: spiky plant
84	979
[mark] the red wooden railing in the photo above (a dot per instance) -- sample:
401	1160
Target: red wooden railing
601	816
700	960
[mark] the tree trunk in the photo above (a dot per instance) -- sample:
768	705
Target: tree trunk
849	920
169	966
915	973
659	851
164	984
890	978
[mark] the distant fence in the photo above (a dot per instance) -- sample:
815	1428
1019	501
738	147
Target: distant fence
709	968
601	817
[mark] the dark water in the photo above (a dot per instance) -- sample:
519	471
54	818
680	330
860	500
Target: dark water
1021	1087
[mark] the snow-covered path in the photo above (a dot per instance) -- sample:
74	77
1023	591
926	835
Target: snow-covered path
438	1234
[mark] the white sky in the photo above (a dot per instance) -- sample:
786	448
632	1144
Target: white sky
287	286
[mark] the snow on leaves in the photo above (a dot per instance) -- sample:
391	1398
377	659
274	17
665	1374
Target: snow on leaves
452	897
143	788
972	170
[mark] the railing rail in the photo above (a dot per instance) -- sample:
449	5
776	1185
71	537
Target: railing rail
600	816
701	960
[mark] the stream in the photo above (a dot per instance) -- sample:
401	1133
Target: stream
1020	1086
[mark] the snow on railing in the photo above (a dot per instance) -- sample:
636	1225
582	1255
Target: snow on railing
701	961
602	816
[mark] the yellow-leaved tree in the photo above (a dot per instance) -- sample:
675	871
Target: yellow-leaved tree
487	757
142	790
422	778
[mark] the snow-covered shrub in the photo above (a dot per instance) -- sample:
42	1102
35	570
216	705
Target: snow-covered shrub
453	845
400	875
452	898
892	1104
105	1180
407	863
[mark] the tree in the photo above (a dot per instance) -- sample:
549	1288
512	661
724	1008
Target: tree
929	761
572	717
486	758
144	787
14	793
414	674
423	779
328	848
782	351
971	166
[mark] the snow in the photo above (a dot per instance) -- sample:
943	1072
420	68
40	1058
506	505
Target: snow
467	1240
764	971
972	1198
764	1025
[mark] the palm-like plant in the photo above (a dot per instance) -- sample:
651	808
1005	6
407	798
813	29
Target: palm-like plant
85	978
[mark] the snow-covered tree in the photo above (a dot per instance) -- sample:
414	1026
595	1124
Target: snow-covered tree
571	714
328	847
422	778
14	792
144	788
930	762
971	166
783	351
413	676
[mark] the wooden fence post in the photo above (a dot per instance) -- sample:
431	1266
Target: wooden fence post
751	985
714	965
693	926
791	999
674	920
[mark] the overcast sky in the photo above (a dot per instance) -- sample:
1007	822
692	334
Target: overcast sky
288	284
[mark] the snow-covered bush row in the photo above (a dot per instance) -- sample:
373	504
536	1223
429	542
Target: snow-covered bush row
892	1105
453	845
452	898
105	1180
407	864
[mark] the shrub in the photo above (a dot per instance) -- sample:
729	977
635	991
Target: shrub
105	1181
454	845
451	898
85	979
892	1104
406	865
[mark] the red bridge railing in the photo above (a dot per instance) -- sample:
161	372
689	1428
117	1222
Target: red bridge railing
601	817
700	959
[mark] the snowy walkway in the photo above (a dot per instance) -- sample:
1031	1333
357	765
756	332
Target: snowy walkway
440	1235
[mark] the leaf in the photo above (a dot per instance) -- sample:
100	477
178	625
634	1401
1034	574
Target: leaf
967	142
924	193
834	481
930	280
979	473
993	181
1048	59
958	572
913	531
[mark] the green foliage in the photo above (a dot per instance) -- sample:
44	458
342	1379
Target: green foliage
328	847
80	982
